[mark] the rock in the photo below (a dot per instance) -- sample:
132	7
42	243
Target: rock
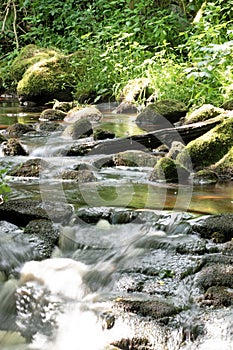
46	233
162	114
28	56
136	89
52	114
224	167
217	296
101	134
2	138
136	343
126	108
18	129
50	78
210	147
13	147
90	113
50	127
215	275
169	170
80	176
205	176
156	309
135	159
175	149
21	211
81	128
203	113
219	228
31	168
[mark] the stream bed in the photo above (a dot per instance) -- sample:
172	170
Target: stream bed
131	268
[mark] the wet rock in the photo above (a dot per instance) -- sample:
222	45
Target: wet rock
31	168
7	307
224	167
2	138
106	161
162	114
126	108
215	275
46	232
203	113
135	159
80	176
169	170
79	129
18	129
133	344
210	147
216	297
205	176
155	309
13	147
50	127
78	149
101	134
219	228
52	114
90	113
22	211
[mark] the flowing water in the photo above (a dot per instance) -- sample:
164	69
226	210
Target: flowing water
130	251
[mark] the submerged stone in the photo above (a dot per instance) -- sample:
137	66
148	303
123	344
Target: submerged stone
21	211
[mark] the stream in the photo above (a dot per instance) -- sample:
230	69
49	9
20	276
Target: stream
128	270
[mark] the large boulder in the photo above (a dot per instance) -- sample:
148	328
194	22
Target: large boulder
210	147
51	78
162	114
203	113
28	56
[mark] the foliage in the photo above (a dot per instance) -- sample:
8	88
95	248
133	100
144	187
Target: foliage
183	47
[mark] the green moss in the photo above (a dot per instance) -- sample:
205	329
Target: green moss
210	147
224	167
203	113
169	170
27	57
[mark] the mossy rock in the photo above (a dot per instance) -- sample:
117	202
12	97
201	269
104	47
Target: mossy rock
101	134
203	113
162	113
224	167
28	56
136	89
13	148
80	176
205	176
49	79
135	159
31	168
18	129
169	170
52	114
210	147
79	129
